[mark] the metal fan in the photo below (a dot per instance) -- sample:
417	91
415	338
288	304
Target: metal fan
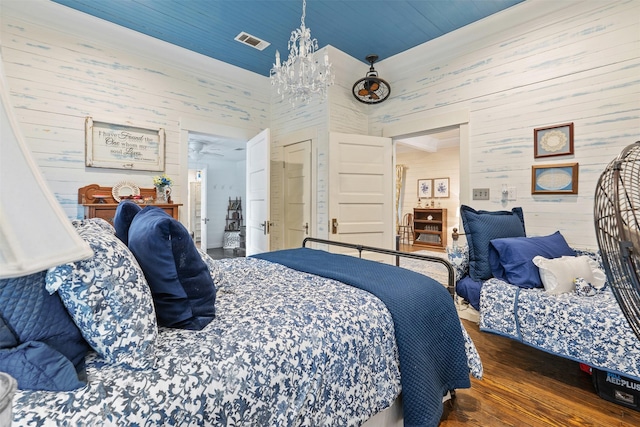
617	222
371	89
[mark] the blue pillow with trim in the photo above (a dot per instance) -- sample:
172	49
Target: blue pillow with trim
125	212
183	291
481	227
511	257
30	314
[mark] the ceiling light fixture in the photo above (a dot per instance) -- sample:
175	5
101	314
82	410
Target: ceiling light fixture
302	76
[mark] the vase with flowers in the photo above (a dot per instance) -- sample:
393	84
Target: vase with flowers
163	188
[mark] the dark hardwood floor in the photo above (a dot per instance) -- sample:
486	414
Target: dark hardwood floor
220	253
523	386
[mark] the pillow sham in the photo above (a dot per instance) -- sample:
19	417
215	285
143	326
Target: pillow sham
97	224
511	258
558	274
7	337
586	289
481	227
36	366
109	299
183	290
469	289
459	258
125	212
54	359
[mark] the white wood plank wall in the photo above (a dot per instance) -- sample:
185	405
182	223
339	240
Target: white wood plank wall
63	65
571	62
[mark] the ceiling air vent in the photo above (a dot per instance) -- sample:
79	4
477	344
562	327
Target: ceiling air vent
252	41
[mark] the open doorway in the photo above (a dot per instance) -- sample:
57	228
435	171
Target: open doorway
431	156
222	160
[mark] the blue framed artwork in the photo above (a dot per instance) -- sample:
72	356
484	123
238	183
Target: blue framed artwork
441	187
553	141
425	190
554	179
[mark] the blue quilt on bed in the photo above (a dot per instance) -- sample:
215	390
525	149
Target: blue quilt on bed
427	328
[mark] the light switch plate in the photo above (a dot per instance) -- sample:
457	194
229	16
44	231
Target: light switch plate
480	194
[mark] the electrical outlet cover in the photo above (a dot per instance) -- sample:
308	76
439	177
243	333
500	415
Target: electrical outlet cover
480	194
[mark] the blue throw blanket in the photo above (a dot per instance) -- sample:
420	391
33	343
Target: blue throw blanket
427	328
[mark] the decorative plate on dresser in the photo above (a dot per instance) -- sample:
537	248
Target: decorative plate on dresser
124	189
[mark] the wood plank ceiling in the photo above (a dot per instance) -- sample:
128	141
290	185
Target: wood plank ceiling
356	27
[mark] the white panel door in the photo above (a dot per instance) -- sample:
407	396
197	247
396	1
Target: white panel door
361	190
194	211
297	193
257	206
202	174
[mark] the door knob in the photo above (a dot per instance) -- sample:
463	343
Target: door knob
265	227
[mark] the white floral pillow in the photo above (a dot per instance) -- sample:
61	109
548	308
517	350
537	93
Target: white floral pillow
97	224
587	289
459	259
108	298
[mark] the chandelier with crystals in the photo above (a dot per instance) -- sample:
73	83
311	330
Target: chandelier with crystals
302	75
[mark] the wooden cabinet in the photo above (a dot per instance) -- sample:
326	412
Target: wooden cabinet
107	211
98	202
430	227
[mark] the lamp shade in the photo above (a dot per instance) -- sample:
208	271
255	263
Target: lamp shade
35	233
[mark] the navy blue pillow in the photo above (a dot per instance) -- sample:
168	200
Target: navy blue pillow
481	227
183	291
31	314
125	212
511	258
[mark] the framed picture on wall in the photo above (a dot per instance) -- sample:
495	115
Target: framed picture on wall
554	179
441	187
553	141
425	190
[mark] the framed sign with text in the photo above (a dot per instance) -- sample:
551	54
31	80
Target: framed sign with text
123	147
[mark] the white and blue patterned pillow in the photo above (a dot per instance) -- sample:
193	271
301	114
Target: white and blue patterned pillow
459	259
108	298
587	289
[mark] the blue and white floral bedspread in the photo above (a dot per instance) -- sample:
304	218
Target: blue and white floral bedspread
591	330
315	353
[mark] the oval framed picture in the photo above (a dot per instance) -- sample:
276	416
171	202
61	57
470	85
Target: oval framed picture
554	179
